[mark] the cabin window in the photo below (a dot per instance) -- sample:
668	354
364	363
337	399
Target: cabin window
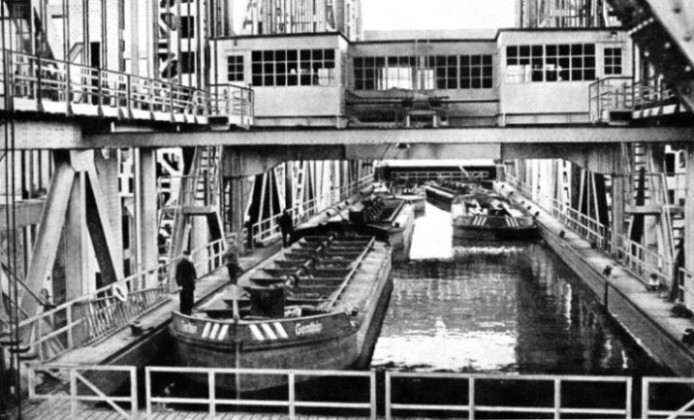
314	67
235	68
475	71
420	72
550	63
613	61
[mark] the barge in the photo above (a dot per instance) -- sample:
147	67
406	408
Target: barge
485	215
316	305
442	195
389	216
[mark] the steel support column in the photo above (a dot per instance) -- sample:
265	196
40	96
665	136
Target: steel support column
146	212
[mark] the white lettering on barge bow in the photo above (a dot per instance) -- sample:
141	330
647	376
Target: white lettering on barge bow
306	329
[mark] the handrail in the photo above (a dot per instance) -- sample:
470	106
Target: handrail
269	227
292	403
632	255
99	314
626	93
57	86
406	176
557	408
78	381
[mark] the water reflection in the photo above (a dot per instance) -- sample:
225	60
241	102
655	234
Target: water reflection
483	307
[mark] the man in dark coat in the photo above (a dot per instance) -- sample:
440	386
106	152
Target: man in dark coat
287	228
185	278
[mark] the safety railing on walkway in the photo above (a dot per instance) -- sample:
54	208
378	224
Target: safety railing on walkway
53	86
637	259
86	386
268	229
230	100
422	176
211	377
463	395
614	93
553	387
97	315
640	98
585	226
670	398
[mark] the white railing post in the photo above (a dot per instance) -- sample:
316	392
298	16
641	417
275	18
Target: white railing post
644	397
389	395
148	391
73	392
471	398
133	392
629	391
372	393
292	395
211	394
557	398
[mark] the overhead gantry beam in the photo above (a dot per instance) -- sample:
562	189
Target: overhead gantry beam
53	136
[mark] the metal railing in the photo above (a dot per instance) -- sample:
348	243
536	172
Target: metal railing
82	387
584	226
229	99
421	176
557	408
291	402
643	262
635	258
554	396
612	93
97	315
648	387
268	229
617	93
54	86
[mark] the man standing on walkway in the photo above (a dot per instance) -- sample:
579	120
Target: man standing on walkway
231	261
185	278
287	228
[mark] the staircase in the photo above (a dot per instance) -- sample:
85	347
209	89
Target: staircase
198	195
663	29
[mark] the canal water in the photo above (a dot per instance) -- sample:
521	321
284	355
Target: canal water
489	308
497	307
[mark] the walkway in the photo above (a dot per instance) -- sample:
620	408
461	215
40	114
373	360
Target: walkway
62	411
48	86
104	352
643	314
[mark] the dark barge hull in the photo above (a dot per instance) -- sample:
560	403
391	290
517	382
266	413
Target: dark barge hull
340	339
494	234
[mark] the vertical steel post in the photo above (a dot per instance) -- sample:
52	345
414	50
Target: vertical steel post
389	395
212	396
292	395
557	398
148	391
471	398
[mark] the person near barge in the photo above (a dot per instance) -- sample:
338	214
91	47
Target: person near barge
185	279
287	228
231	262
